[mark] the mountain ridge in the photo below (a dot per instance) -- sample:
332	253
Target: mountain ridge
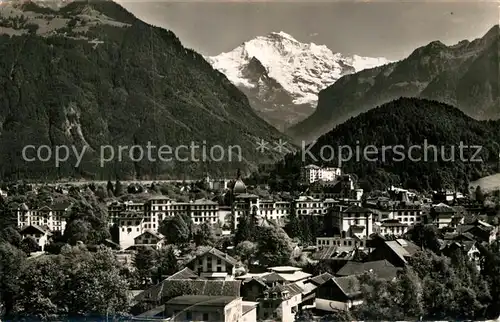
411	126
283	90
465	75
91	73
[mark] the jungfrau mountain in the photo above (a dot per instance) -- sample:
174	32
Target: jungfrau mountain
89	73
465	75
282	76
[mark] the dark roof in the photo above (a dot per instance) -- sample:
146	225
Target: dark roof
320	279
349	285
357	209
333	252
184	274
402	248
170	288
198	300
273	277
292	289
41	229
247	308
382	268
217	253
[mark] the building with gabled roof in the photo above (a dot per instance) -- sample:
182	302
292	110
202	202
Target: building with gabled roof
214	264
397	252
382	268
40	234
339	293
281	302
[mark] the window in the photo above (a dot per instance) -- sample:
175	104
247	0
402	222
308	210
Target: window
205	316
189	316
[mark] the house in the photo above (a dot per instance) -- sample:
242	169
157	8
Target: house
39	234
347	242
149	238
209	308
214	264
309	289
130	225
184	282
252	288
382	268
481	230
397	252
339	293
280	303
443	215
393	227
312	173
353	221
468	248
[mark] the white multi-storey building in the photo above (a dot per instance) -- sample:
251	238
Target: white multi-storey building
353	221
51	217
312	173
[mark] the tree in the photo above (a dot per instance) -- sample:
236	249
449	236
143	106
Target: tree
246	250
76	283
480	197
293	227
167	262
11	236
244	231
274	246
118	188
145	262
101	193
11	262
204	235
175	229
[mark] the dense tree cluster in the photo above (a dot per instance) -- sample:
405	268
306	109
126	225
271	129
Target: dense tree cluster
141	86
405	122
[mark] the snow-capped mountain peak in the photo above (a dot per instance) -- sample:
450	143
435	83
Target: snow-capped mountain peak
301	69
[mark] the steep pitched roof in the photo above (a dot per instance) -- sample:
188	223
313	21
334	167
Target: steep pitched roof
170	288
320	279
151	232
382	268
292	289
217	253
184	273
40	229
349	285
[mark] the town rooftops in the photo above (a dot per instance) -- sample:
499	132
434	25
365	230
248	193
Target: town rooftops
202	300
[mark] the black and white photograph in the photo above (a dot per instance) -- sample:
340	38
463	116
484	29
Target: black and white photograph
249	161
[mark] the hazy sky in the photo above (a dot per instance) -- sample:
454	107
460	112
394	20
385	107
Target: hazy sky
370	28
